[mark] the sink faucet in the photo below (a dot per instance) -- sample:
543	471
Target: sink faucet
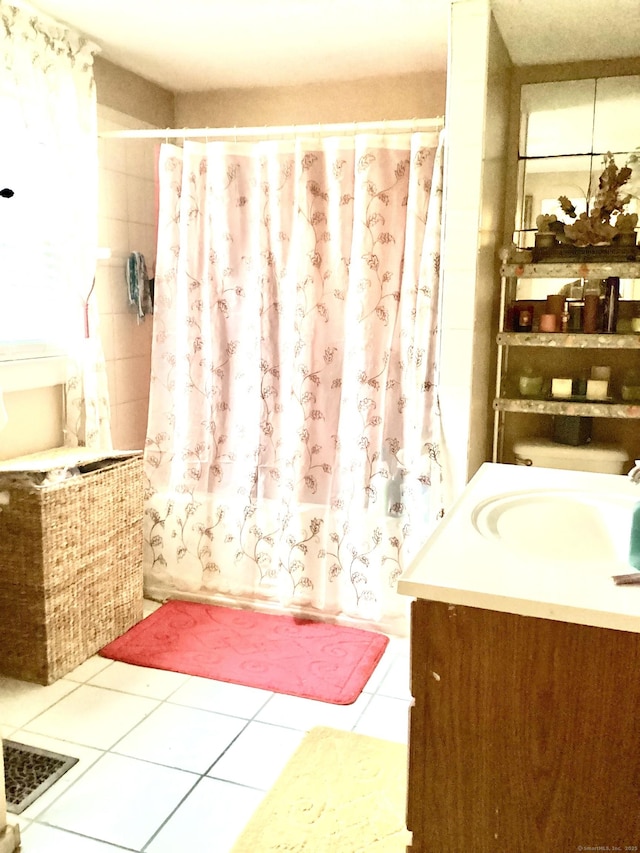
634	473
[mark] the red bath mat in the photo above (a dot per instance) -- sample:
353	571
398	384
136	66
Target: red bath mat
284	654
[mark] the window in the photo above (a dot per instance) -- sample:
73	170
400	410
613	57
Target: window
36	308
48	157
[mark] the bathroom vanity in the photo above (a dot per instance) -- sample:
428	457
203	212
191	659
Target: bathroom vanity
525	668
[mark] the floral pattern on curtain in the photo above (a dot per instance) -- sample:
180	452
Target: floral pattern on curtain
50	147
293	442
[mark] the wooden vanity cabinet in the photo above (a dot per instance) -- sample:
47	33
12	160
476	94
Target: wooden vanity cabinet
524	733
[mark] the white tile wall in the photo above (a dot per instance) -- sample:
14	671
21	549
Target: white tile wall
127	223
477	111
457	363
466	96
490	239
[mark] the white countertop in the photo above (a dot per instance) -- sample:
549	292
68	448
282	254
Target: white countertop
553	572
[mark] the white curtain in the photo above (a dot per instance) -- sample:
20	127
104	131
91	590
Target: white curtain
49	157
293	441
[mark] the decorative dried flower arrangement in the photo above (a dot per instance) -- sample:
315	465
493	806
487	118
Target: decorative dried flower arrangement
595	228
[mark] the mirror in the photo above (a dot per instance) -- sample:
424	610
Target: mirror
565	129
556	118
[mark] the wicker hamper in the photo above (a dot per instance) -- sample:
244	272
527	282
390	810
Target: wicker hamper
70	558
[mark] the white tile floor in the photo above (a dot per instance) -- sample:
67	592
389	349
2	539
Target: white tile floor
171	762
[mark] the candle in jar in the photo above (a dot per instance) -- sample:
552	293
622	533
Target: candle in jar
548	323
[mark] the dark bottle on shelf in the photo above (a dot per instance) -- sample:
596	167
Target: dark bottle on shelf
610	307
590	313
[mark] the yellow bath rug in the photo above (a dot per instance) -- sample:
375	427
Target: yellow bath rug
341	792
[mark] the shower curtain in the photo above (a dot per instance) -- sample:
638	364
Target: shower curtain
292	452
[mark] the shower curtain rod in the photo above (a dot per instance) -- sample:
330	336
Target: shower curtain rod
285	130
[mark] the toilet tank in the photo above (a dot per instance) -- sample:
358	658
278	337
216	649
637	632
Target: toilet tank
596	458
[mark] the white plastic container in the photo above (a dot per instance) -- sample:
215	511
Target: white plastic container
596	458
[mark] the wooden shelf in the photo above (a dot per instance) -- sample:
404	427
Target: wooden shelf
629	411
575	351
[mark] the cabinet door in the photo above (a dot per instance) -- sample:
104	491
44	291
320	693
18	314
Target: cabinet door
527	733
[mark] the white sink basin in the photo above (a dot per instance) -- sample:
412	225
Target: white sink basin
558	524
539	542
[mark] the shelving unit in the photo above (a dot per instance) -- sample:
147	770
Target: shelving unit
562	347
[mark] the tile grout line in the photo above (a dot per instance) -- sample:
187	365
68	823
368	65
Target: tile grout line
166	700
